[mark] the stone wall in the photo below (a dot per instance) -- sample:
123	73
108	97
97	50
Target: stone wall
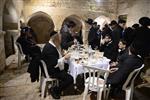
134	9
1	13
10	39
60	9
2	51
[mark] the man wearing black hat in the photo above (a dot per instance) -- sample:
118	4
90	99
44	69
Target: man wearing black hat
51	54
116	32
142	37
30	48
93	36
122	24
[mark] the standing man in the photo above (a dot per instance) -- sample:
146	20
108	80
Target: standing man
92	36
116	32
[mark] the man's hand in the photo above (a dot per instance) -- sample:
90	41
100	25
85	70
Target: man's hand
113	70
67	56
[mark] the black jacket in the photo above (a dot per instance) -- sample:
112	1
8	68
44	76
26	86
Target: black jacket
31	49
116	35
129	35
142	40
68	40
50	55
93	38
126	65
109	51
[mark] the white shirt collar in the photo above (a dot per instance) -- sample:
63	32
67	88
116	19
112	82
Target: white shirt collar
52	43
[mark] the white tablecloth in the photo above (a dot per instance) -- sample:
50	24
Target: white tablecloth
76	68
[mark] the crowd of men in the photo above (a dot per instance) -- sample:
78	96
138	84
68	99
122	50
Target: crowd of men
126	47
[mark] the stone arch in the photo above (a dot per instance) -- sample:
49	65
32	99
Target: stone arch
102	20
42	24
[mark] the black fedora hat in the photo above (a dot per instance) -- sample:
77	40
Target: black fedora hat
113	22
144	21
89	21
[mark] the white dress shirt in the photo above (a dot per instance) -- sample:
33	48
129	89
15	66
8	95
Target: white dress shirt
61	60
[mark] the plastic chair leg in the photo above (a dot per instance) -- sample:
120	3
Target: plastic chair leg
107	94
43	89
131	95
85	92
19	60
99	94
104	94
128	94
41	82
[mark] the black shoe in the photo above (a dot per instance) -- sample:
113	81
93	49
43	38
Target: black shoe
54	94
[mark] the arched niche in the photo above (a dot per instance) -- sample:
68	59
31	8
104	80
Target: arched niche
42	24
77	20
102	20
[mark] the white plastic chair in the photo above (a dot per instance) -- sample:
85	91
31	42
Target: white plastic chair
128	86
94	83
45	79
20	54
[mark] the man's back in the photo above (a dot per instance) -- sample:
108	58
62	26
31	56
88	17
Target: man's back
125	67
142	40
24	44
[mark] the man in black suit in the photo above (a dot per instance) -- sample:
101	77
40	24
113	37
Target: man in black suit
142	37
122	25
116	32
93	36
68	37
122	48
51	54
107	46
127	63
30	48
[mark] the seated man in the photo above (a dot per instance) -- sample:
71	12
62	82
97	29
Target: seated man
122	47
121	51
51	54
128	62
30	48
108	48
27	41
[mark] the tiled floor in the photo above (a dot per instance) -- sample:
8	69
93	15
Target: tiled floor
15	85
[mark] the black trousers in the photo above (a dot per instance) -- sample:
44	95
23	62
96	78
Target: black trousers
64	80
33	69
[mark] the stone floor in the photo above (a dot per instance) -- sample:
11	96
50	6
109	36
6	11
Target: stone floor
15	85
